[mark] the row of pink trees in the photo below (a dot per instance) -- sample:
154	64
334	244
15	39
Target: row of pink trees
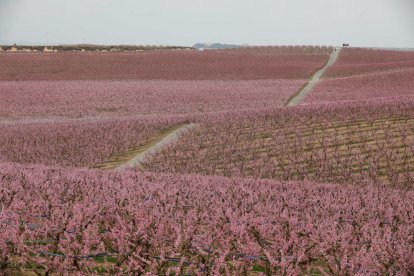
74	99
358	61
78	143
163	65
59	220
343	143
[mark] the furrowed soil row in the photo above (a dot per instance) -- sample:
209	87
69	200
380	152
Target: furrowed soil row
327	142
262	131
382	147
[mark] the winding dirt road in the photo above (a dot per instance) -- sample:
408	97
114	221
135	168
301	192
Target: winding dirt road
136	157
295	100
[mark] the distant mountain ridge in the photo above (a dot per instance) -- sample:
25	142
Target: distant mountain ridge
216	46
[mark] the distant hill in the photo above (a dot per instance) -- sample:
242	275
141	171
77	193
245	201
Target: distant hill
216	46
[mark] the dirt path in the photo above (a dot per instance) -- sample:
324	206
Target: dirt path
298	97
136	156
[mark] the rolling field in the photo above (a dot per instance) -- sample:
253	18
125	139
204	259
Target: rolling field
167	65
77	99
337	144
373	86
361	74
77	143
74	85
354	61
229	179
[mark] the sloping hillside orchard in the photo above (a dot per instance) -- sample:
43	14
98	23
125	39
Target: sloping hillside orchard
226	179
343	143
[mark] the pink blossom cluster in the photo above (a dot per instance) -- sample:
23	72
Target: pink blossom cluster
46	99
77	143
166	64
355	88
357	61
339	143
63	220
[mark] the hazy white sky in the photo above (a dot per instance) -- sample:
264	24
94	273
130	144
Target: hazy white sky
381	23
